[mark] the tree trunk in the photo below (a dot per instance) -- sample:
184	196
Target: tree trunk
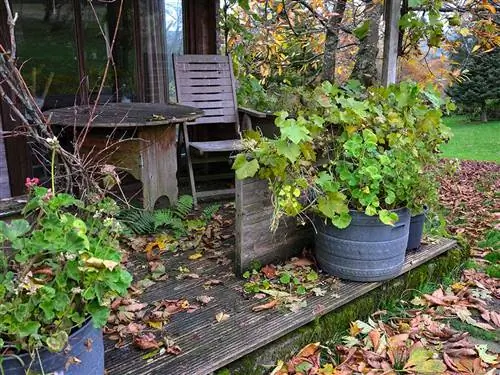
365	67
484	114
332	41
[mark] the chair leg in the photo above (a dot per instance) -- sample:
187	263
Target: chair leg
190	164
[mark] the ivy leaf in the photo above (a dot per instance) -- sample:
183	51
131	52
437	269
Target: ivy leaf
57	341
99	314
388	217
285	278
290	150
15	229
295	131
362	31
244	168
332	203
28	328
342	221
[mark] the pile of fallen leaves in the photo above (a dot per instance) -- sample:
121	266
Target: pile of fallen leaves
142	324
139	323
287	285
469	195
415	345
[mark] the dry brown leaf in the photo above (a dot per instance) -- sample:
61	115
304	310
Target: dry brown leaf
308	350
221	317
302	262
146	341
135	307
374	336
271	304
269	271
204	299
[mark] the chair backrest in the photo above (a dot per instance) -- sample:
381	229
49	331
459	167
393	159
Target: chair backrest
207	82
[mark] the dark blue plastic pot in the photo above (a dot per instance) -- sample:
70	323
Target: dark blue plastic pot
416	231
367	250
85	344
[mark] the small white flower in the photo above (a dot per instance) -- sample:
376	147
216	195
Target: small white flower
76	290
70	256
52	141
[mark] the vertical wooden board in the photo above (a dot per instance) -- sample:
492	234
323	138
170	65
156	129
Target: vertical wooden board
159	164
254	240
4	173
391	37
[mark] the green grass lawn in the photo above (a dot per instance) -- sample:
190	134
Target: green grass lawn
472	140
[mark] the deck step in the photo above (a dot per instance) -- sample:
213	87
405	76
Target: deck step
208	346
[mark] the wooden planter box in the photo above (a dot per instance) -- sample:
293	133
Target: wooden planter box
254	240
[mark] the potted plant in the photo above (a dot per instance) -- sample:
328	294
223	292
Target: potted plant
59	270
351	159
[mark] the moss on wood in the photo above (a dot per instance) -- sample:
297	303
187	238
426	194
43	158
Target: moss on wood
334	324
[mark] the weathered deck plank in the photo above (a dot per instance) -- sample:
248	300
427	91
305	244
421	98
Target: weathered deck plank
208	345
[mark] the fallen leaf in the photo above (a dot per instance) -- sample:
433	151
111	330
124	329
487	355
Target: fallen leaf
204	299
269	271
275	293
71	361
135	307
174	349
195	256
308	350
374	336
222	316
146	341
271	304
302	262
482	351
155	324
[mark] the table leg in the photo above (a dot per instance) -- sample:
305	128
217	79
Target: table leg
159	164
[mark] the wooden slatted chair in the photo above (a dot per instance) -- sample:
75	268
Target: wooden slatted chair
207	82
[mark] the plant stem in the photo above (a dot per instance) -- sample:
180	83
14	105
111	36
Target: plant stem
52	170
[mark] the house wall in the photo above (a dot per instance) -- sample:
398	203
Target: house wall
4	173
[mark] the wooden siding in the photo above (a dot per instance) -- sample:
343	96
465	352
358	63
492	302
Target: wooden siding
4	173
254	240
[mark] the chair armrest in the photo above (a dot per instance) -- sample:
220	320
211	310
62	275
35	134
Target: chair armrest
252	112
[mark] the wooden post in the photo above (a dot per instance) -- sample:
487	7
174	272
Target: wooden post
390	57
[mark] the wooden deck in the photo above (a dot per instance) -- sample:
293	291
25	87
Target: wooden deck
208	345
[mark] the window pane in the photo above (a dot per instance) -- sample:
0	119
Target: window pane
99	20
175	40
46	48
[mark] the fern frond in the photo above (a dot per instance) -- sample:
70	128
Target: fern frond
163	217
138	221
184	206
209	211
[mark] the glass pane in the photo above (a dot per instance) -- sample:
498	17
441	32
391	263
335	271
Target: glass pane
99	20
46	48
175	39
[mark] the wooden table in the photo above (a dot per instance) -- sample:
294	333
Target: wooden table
147	140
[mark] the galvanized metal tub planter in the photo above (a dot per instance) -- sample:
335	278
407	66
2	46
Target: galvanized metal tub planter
367	250
84	356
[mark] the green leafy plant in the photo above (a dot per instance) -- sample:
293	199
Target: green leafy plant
59	266
174	219
351	149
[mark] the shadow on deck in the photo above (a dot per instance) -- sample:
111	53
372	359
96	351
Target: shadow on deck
208	345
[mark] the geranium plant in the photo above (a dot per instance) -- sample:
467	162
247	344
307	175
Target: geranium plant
59	266
350	149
